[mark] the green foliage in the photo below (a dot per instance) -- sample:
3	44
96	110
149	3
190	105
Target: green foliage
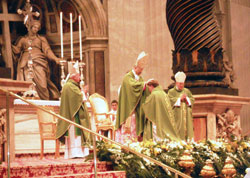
170	152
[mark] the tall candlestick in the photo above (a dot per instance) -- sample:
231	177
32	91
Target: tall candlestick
61	32
71	35
80	37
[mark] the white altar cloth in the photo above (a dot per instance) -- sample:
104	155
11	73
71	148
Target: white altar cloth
38	102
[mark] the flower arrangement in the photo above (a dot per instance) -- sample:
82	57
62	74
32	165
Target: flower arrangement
171	152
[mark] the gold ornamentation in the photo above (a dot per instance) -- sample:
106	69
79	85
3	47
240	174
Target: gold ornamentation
82	83
228	170
62	66
31	93
208	170
186	161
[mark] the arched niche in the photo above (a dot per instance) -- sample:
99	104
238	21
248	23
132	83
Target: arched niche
94	35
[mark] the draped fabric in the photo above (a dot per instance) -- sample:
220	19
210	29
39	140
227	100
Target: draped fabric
131	97
73	108
73	146
182	113
40	52
158	111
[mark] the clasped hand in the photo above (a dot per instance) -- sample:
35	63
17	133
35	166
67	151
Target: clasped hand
184	97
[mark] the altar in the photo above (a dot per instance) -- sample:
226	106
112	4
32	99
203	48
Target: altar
27	136
23	135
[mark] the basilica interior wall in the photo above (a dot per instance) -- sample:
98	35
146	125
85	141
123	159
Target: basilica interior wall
240	25
160	44
126	28
135	26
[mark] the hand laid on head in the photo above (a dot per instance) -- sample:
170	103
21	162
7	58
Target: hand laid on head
145	83
149	80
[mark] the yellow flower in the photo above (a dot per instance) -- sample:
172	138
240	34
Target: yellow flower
163	146
157	151
189	147
148	143
245	145
147	152
240	149
229	148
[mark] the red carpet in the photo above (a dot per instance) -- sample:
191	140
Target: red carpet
28	165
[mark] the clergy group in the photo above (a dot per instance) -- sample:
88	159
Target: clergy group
147	112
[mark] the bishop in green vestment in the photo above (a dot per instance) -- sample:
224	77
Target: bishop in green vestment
73	108
182	102
131	95
159	114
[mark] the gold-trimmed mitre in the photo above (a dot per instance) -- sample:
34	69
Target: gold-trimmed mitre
141	60
73	67
180	77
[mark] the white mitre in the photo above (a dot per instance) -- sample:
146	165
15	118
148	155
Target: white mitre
180	77
76	67
73	67
141	60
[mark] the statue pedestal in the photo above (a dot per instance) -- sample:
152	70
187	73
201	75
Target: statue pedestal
207	106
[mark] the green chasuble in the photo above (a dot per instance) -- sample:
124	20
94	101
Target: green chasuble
158	111
73	108
183	113
131	97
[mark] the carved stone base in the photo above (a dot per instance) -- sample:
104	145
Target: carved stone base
206	108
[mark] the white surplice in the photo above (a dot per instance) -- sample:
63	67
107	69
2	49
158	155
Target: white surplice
73	146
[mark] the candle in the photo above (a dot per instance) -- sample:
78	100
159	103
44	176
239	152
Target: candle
61	33
71	35
80	37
